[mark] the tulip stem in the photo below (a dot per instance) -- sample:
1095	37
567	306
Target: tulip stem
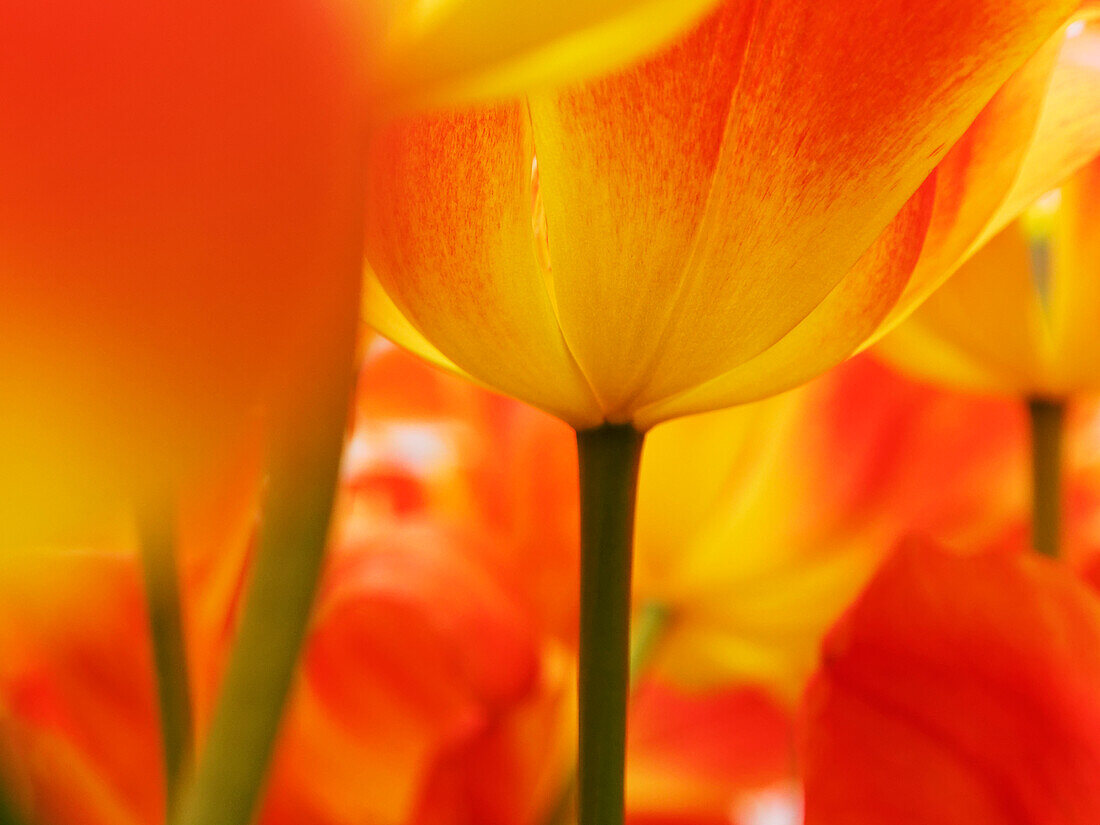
231	774
653	619
1047	417
162	596
609	459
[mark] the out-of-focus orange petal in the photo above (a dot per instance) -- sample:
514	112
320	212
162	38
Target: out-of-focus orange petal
436	52
415	648
77	685
689	757
511	771
179	241
959	690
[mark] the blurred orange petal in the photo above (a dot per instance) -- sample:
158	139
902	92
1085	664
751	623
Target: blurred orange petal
959	690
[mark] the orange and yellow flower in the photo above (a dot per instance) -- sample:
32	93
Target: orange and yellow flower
1018	318
723	221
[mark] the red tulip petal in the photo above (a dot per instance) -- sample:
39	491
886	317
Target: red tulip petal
959	690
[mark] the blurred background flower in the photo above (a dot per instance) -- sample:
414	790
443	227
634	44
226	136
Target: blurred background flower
959	690
438	684
1018	319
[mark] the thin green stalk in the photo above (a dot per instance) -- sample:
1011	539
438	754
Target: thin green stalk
653	619
301	485
1047	419
231	775
162	596
10	812
609	459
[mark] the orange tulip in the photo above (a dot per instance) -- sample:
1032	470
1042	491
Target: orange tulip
663	241
959	690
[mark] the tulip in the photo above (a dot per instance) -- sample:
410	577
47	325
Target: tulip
499	239
181	231
958	690
1031	282
1033	338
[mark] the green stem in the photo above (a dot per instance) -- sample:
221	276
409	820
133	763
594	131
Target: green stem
609	459
1047	418
11	813
162	595
653	619
230	778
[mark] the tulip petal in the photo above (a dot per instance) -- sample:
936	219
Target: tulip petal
415	647
450	233
1042	126
830	333
380	312
1067	134
1074	364
795	501
1027	339
959	690
441	50
817	157
180	226
690	756
625	171
979	331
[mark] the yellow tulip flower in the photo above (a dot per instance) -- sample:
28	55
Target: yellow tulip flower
723	221
1019	318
